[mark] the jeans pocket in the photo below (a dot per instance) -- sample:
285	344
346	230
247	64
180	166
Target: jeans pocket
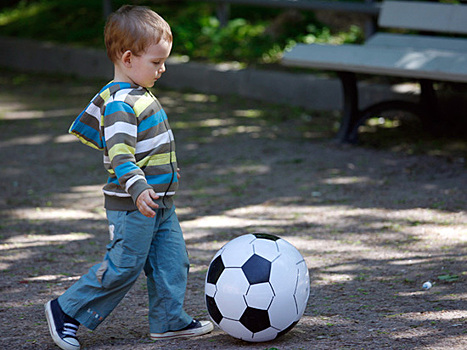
119	271
119	257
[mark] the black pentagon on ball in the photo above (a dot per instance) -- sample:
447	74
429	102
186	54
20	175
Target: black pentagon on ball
257	269
215	270
213	310
255	320
266	236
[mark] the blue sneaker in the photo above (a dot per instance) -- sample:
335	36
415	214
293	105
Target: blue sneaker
62	327
195	328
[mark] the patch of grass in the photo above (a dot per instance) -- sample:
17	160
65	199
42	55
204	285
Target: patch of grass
448	278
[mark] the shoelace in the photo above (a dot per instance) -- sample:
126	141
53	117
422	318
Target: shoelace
70	329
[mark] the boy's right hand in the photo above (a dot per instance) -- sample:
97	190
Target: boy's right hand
145	203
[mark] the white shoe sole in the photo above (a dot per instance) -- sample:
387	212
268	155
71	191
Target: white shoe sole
206	327
62	344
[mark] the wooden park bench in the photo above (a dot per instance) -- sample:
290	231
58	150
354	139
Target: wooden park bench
427	57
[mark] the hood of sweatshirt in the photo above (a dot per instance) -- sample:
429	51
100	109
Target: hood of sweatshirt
88	125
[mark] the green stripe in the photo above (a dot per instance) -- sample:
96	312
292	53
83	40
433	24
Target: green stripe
120	149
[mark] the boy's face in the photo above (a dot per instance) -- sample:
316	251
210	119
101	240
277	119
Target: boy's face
148	67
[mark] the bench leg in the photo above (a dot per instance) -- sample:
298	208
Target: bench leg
426	109
381	108
430	115
350	112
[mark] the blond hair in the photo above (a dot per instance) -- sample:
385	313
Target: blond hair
134	28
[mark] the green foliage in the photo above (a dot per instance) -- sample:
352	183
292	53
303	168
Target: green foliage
77	22
238	41
248	36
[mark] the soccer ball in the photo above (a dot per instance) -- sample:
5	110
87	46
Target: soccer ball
257	287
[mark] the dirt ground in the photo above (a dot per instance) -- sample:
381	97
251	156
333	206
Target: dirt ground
372	223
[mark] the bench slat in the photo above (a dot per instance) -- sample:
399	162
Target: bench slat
411	63
417	42
436	17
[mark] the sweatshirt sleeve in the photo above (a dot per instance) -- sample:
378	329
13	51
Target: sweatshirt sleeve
120	134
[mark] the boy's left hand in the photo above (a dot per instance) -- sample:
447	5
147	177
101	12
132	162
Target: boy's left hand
145	203
178	174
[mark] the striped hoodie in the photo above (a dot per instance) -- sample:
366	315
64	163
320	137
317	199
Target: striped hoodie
128	123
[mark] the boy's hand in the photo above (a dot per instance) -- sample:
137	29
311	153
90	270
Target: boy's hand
145	203
178	174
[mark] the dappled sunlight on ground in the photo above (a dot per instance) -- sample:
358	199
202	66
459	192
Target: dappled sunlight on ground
35	114
28	241
30	140
47	214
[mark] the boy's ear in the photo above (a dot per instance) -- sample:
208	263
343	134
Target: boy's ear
126	58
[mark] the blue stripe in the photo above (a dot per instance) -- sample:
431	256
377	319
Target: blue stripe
120	86
152	180
112	180
161	179
153	120
87	131
118	106
125	168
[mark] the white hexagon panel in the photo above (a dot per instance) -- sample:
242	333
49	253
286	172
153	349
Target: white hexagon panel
260	296
231	288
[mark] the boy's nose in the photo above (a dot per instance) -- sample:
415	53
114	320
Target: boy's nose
162	68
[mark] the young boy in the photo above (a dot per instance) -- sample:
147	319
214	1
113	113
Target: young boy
127	122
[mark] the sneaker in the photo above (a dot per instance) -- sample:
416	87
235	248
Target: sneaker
62	327
195	328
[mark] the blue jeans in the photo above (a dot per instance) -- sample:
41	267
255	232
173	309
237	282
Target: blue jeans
153	244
